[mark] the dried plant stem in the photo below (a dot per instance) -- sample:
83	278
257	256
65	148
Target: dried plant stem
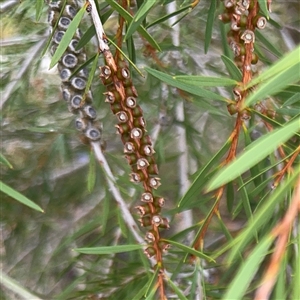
282	231
127	217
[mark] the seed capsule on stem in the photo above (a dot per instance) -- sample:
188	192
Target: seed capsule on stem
142	163
93	134
147	197
154	182
136	133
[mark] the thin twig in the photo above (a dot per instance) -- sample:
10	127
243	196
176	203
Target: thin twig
128	219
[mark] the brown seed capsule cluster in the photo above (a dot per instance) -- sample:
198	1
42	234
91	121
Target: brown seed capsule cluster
73	87
138	149
241	31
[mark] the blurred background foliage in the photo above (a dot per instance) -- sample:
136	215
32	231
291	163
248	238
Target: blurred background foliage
52	167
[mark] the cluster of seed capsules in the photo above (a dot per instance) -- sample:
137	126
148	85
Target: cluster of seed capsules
138	150
236	13
243	17
73	85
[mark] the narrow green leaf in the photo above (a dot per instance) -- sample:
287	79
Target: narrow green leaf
87	36
19	197
209	24
139	18
292	100
266	42
206	80
4	161
91	179
184	86
253	154
16	288
261	216
264	8
64	43
247	271
91	75
245	199
151	284
275	84
175	288
198	182
39	4
189	250
109	249
126	15
167	17
232	69
296	279
229	196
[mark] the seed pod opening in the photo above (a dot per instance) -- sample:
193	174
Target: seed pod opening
65	74
136	133
63	23
150	237
58	36
70	11
78	83
122	116
90	112
156	220
129	147
154	182
81	124
142	163
69	60
131	102
147	197
248	36
93	134
72	46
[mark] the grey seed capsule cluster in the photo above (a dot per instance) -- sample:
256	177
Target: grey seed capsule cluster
73	88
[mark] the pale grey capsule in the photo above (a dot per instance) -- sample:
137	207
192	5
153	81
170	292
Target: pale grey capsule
93	134
70	11
58	36
64	23
72	46
90	112
69	61
66	94
76	102
53	49
65	74
81	124
78	83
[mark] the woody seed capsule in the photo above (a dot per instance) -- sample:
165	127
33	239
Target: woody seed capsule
154	182
136	133
122	116
142	163
131	102
147	197
248	36
129	147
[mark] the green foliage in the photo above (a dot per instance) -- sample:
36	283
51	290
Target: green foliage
82	246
